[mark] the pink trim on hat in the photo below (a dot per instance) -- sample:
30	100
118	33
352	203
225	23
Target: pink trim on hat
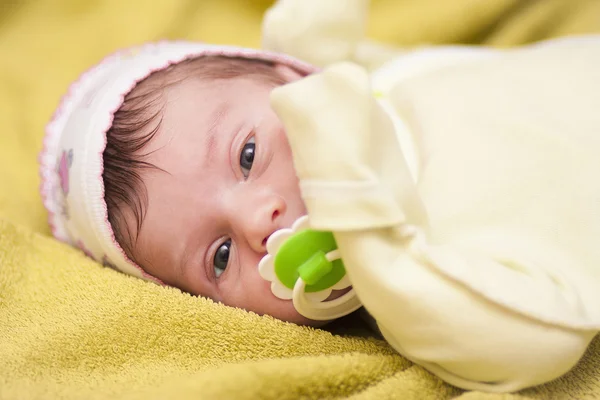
50	141
47	157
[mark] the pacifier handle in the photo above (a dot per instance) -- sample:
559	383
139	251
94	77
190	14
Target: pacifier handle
327	310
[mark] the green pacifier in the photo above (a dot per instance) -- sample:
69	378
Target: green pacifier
305	265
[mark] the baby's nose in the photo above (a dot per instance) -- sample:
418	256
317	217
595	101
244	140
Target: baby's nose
262	221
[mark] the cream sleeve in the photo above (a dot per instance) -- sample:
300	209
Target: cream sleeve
484	305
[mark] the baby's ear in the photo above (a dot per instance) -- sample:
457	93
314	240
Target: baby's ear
287	73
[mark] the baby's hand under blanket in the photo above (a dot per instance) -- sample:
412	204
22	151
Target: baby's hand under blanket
316	31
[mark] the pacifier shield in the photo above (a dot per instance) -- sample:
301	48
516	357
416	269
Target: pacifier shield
306	251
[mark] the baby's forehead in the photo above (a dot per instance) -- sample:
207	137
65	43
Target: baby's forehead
212	75
190	114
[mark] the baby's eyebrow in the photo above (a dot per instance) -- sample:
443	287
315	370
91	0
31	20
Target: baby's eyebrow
191	257
216	118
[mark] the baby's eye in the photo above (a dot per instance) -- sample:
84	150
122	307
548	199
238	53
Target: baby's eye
247	156
221	258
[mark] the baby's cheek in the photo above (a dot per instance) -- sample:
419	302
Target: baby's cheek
254	294
248	290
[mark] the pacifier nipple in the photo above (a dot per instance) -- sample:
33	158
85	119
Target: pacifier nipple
305	266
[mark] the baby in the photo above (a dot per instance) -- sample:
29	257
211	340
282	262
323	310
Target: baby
176	162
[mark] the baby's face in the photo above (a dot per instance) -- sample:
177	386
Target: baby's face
227	183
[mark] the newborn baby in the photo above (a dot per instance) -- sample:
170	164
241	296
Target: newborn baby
447	176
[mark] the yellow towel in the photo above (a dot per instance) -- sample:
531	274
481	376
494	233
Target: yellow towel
70	328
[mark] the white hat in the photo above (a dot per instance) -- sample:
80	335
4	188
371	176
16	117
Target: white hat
71	162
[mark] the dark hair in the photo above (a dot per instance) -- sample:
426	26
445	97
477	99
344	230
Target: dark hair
136	123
